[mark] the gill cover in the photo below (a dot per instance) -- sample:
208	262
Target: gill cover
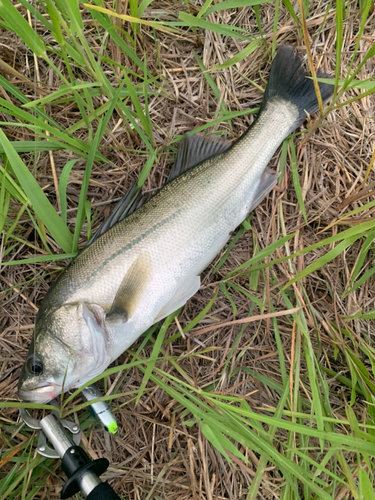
100	357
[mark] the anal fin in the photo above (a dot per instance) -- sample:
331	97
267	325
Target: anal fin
267	182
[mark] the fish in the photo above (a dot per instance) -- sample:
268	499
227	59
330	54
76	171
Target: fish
146	259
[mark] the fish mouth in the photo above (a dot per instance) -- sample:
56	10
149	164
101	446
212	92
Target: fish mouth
41	394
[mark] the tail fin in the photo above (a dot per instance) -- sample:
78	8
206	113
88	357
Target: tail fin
288	81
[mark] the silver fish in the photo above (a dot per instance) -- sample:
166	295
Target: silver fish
141	268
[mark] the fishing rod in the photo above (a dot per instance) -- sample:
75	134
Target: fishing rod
64	436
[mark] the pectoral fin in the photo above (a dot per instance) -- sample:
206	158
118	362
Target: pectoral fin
187	290
131	290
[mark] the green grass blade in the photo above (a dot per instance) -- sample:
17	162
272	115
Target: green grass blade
154	355
289	7
332	254
4	206
366	276
129	115
211	82
224	116
42	207
290	470
366	489
63	90
88	217
251	296
195	321
106	24
224	290
296	183
233	241
85	184
143	6
232	425
224	29
164	27
90	160
234	4
16	23
70	10
365	316
21	114
146	124
368	84
358	230
220	441
12	187
58	25
366	247
147	168
261	254
312	372
356	444
22	474
202	314
63	183
255	484
101	110
35	12
40	258
12	89
339	40
204	8
241	55
35	146
280	350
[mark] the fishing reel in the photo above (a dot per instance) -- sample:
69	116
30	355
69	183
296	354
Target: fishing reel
64	437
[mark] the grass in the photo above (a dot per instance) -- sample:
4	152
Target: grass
264	386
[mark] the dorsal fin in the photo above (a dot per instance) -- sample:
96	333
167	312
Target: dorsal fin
128	204
194	149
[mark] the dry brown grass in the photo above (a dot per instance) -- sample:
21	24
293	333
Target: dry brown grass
154	455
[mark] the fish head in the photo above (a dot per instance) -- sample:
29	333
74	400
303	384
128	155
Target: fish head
67	350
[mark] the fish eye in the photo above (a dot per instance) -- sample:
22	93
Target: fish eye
34	365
